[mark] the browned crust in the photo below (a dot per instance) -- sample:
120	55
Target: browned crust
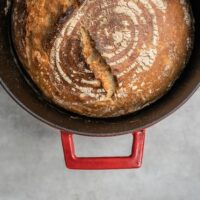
35	28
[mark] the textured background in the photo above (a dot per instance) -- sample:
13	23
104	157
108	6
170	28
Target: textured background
32	166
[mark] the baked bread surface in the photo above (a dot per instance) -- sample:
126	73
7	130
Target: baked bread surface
103	58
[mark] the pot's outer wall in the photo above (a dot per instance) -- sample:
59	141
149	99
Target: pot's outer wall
14	79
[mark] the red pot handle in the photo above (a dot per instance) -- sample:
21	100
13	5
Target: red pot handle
97	163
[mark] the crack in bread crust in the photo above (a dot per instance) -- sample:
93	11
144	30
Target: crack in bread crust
97	64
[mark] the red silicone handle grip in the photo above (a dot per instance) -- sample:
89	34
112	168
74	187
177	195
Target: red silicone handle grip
97	163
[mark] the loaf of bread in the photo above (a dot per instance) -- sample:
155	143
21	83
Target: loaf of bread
103	58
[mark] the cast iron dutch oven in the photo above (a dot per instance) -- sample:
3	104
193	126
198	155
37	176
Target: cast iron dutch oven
20	87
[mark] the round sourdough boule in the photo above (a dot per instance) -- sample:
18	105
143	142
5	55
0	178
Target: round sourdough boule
103	58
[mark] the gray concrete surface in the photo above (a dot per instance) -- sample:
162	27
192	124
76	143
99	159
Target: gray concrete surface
32	166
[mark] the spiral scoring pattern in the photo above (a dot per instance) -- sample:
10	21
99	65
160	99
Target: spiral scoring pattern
115	27
103	58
